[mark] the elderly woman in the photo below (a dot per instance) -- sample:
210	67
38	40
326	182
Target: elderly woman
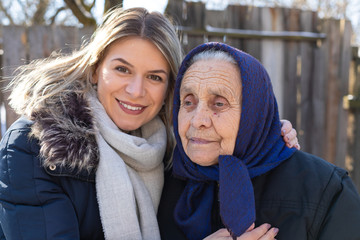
230	167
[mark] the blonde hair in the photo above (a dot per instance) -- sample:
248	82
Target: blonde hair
45	82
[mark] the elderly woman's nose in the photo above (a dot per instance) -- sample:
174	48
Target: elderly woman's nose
135	87
201	117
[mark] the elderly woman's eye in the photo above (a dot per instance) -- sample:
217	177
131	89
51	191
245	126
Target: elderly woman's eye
188	101
220	103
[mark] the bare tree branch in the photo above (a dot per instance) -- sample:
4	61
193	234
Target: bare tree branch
112	3
80	13
52	19
88	7
24	10
41	8
6	12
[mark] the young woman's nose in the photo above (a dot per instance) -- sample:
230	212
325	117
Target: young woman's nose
202	116
136	87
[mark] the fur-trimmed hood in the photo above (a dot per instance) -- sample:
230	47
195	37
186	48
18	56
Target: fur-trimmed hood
67	133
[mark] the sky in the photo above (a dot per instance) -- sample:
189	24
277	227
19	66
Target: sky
151	5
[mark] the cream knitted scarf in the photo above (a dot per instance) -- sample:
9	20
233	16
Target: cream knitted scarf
129	177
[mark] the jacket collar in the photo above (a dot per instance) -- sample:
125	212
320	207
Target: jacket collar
67	137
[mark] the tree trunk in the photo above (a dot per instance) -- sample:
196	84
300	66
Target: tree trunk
112	3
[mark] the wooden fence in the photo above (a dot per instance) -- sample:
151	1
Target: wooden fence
352	104
308	59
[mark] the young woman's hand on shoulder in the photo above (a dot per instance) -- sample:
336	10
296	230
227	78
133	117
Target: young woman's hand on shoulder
263	232
289	134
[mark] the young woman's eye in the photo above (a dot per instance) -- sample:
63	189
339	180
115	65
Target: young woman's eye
155	78
122	69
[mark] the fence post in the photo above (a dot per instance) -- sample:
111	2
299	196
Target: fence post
274	49
336	88
15	54
306	82
353	131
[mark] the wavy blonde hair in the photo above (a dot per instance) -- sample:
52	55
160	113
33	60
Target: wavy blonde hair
44	82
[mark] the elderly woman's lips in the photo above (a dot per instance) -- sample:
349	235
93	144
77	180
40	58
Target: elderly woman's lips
200	141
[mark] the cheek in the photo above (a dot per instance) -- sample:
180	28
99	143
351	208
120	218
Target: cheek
157	94
163	93
183	123
104	79
105	85
228	127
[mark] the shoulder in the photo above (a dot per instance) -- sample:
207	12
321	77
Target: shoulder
306	191
303	182
18	161
305	170
17	138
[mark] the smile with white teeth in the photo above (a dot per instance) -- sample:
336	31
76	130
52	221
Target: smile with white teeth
130	107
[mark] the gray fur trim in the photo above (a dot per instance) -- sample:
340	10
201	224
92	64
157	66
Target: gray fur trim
67	133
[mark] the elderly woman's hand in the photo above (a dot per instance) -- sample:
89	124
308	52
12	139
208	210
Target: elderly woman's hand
263	232
289	134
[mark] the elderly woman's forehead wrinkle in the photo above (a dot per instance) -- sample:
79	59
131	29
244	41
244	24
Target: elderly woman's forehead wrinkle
199	72
205	72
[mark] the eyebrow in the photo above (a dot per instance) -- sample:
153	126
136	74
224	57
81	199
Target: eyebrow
185	89
219	91
129	64
123	61
159	71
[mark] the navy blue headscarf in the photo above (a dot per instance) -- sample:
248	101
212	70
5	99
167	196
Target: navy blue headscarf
259	148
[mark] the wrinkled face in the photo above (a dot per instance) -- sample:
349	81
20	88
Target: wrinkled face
132	82
209	114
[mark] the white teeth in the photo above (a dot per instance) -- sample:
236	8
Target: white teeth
130	107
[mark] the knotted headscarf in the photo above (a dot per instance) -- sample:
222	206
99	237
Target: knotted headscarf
259	148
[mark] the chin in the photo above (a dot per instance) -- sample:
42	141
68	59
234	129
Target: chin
127	126
205	162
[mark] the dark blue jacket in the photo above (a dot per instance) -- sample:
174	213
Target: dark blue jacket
38	202
305	197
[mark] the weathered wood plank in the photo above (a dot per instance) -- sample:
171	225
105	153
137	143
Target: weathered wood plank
272	52
291	68
40	40
216	18
319	85
15	54
195	18
343	84
306	88
332	28
235	14
252	21
352	162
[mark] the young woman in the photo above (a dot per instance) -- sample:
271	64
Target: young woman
86	159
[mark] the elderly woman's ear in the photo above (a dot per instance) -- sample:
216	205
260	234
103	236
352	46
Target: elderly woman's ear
289	134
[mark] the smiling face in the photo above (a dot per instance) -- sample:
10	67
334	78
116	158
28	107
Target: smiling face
210	109
132	81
